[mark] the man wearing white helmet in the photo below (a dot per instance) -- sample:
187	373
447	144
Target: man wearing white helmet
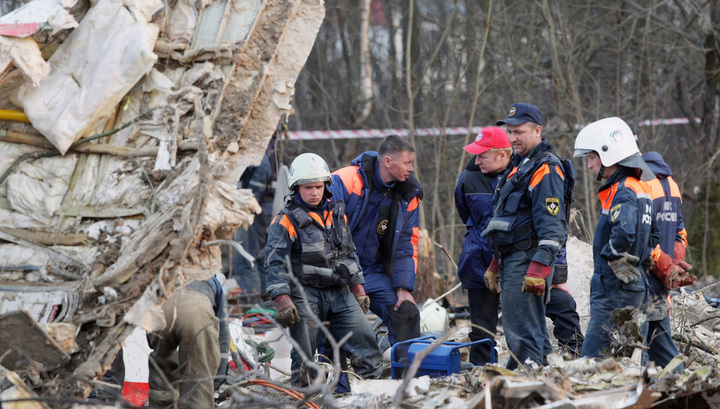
311	232
626	232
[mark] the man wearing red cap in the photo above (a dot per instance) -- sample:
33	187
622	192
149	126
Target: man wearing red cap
473	200
527	229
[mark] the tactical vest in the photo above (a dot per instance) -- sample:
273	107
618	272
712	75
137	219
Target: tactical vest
323	259
512	221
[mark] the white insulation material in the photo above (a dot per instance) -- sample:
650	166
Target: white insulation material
101	60
37	187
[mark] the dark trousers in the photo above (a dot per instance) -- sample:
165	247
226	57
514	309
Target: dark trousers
483	305
562	310
403	323
607	293
339	308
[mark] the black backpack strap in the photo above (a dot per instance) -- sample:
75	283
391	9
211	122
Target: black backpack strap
299	218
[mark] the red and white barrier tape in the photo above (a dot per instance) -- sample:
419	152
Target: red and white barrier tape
381	133
667	121
378	133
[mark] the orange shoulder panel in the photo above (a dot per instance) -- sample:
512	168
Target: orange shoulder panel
607	196
539	174
413	204
287	224
656	189
674	188
351	179
638	186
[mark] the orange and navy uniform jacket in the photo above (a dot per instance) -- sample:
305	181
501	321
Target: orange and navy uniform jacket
667	202
315	241
626	224
386	236
529	206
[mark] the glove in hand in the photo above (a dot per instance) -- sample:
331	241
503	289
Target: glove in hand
679	257
534	281
286	313
492	277
624	268
685	279
359	292
667	271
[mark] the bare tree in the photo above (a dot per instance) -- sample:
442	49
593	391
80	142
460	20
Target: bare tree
366	88
577	62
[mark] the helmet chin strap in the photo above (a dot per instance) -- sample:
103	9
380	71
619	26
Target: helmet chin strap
600	174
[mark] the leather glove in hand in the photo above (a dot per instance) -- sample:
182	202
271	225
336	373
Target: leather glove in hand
679	257
624	268
534	281
685	279
286	313
667	271
492	277
359	292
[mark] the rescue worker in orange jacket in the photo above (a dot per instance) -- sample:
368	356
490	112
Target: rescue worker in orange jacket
669	269
382	198
311	232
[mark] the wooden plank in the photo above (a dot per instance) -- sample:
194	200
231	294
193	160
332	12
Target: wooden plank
107	213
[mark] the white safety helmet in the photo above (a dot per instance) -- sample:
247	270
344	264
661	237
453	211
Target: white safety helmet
614	142
308	168
433	317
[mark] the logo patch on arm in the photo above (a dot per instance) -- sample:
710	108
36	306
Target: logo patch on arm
615	212
553	205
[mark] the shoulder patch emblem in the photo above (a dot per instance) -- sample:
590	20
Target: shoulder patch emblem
553	205
615	212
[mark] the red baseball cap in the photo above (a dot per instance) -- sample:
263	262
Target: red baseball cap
490	137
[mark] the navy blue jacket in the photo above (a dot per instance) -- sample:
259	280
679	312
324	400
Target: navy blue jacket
530	205
667	203
626	224
350	185
473	201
